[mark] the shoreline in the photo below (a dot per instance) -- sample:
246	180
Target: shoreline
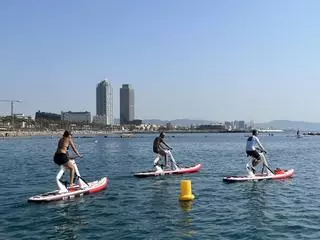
79	133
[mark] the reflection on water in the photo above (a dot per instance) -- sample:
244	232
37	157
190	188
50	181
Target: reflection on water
186	223
186	206
69	219
256	204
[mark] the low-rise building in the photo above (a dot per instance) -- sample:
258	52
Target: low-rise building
84	117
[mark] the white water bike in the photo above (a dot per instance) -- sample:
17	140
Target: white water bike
64	192
254	175
171	168
253	163
171	162
62	185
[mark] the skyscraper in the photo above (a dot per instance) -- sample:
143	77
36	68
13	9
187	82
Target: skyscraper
126	104
104	102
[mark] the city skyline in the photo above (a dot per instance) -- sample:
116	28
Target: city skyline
208	60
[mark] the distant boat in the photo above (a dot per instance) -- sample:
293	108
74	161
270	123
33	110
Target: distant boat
127	135
270	130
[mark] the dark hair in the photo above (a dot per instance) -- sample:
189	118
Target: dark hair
161	135
67	133
254	132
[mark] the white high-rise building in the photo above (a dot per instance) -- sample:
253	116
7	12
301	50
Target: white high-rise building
104	103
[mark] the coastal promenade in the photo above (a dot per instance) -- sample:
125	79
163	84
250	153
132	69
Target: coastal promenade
59	133
78	133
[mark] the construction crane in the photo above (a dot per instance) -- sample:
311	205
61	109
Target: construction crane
12	114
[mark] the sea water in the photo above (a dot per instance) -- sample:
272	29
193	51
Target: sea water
149	208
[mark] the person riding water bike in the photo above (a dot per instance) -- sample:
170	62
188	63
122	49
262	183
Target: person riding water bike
253	149
61	156
159	149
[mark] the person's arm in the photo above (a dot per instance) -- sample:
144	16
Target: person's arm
166	145
260	145
74	148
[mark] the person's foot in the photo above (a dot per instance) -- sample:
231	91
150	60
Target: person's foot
72	188
159	170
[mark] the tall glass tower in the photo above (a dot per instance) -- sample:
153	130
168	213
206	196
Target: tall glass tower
104	102
126	104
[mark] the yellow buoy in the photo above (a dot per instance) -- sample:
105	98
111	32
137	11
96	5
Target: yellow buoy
186	191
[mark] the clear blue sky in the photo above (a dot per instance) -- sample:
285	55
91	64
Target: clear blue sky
206	59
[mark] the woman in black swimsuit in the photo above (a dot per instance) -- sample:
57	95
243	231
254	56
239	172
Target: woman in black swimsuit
61	156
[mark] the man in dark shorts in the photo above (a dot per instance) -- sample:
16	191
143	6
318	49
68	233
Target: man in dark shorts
158	148
252	149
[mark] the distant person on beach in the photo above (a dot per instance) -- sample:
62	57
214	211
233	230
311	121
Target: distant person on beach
159	149
252	149
298	132
61	157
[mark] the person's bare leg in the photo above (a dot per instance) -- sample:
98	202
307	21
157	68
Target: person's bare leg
163	154
70	166
255	162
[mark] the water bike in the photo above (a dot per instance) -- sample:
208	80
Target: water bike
80	188
265	174
171	168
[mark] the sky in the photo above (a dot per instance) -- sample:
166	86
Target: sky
201	59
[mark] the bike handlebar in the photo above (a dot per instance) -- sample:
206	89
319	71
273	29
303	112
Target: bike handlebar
260	150
74	157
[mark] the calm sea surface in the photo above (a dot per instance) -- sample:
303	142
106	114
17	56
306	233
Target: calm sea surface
149	208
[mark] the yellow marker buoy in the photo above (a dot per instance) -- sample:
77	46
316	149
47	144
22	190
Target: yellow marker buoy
186	191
